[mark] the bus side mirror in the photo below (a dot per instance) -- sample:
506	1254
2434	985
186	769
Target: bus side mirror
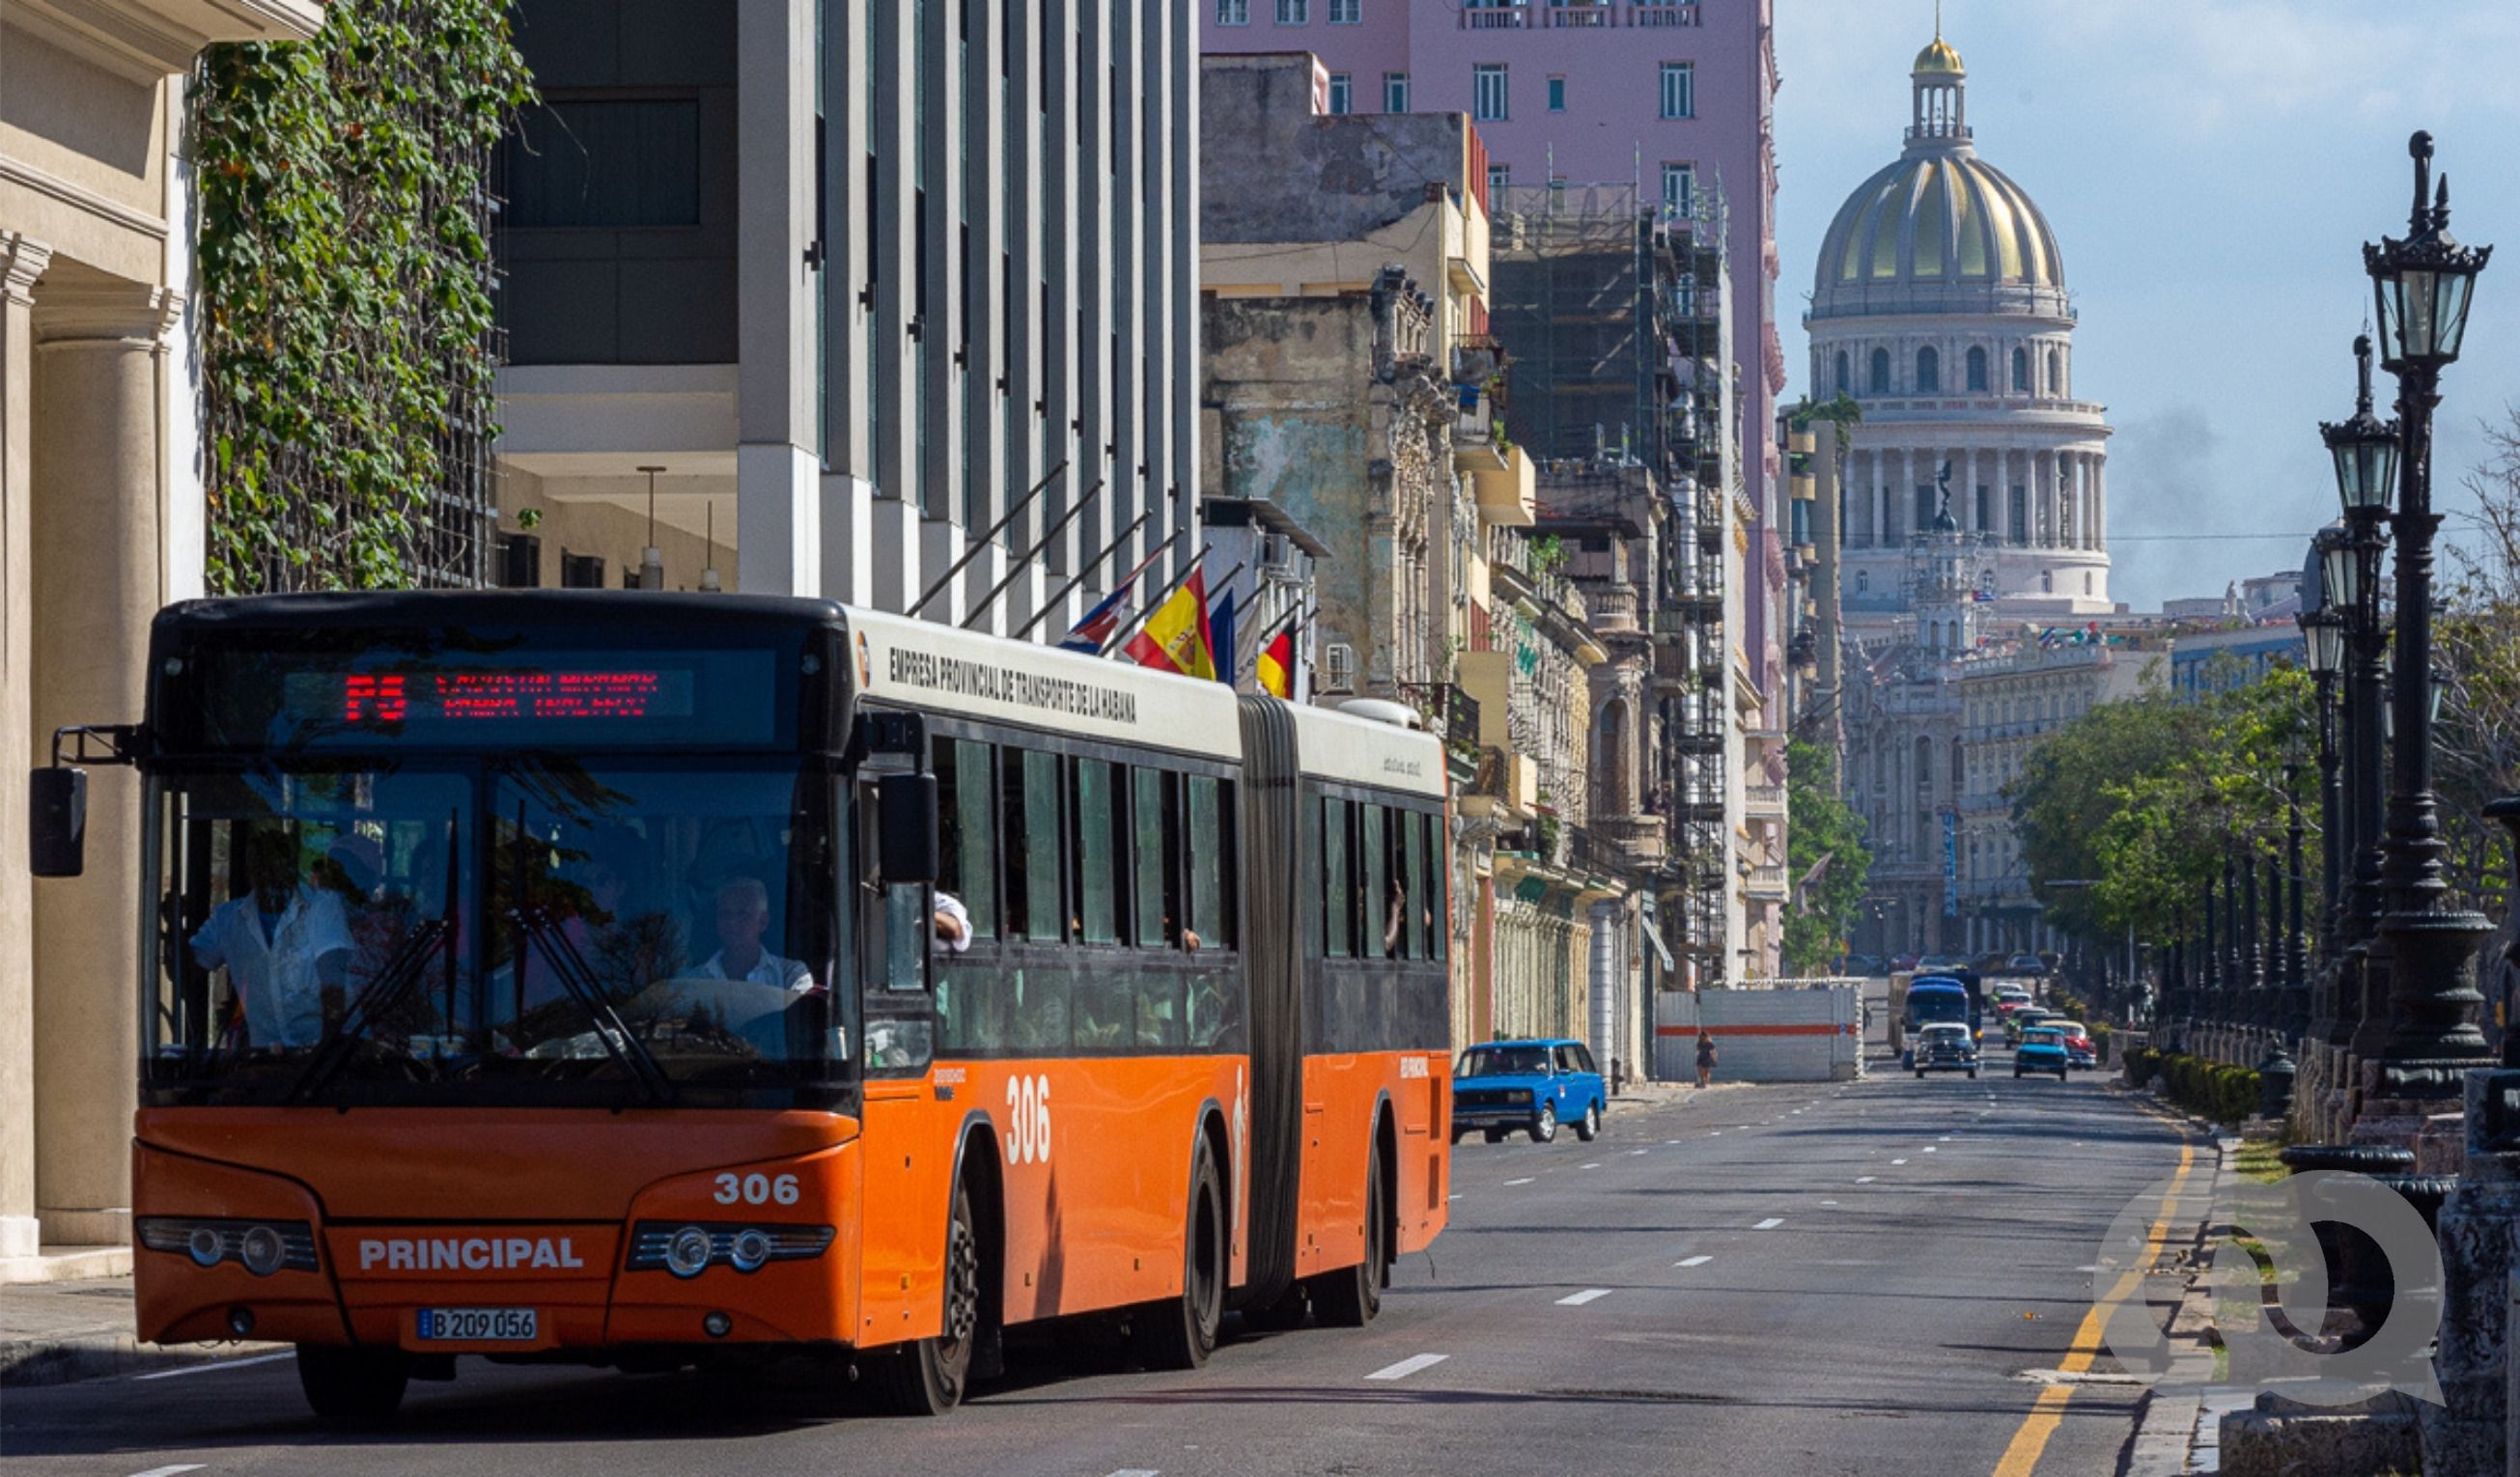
57	821
905	828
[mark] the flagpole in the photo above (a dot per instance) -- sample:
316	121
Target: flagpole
1092	565
982	542
1015	571
1120	635
1263	635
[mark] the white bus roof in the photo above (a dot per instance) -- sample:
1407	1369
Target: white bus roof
1352	750
936	668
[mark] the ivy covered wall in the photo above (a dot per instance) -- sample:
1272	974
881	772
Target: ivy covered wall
345	280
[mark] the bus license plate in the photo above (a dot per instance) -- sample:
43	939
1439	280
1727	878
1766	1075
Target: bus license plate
479	1326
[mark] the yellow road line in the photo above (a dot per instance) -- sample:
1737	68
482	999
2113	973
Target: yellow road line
2022	1455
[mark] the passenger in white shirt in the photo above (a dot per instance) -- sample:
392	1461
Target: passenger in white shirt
284	943
952	924
742	915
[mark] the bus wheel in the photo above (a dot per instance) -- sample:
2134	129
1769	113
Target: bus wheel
1286	1312
1350	1299
1180	1333
928	1377
352	1388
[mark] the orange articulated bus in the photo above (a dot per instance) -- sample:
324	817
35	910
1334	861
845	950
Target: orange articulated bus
651	980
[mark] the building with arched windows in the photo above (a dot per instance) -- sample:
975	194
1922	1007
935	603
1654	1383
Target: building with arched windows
1938	301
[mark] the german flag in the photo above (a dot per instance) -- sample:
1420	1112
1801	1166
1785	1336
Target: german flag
1276	665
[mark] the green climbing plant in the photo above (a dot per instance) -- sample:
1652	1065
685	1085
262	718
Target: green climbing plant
344	280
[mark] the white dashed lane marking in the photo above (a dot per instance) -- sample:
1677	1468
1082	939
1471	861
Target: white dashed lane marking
1408	1367
1865	1179
1512	1183
1769	1224
1700	1260
1596	1164
1579	1299
181	1466
1898	1161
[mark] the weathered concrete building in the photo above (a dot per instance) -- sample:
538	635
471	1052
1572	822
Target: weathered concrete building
102	521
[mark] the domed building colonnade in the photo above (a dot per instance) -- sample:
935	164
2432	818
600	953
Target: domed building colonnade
1940	303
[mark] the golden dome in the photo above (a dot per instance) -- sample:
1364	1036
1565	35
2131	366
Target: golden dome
1939	60
1931	223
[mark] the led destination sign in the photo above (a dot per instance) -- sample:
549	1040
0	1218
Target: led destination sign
538	695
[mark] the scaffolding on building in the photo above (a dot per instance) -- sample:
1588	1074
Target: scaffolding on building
1611	307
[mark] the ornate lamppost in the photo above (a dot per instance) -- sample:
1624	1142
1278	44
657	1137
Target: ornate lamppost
2422	287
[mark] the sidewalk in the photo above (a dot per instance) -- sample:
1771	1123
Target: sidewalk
54	1332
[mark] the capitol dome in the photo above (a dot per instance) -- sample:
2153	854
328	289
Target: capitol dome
1939	230
1939	305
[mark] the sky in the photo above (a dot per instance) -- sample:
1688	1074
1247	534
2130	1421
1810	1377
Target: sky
2210	169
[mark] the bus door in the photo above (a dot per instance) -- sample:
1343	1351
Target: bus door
903	1209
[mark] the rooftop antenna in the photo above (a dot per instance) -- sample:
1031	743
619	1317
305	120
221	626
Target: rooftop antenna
652	560
708	573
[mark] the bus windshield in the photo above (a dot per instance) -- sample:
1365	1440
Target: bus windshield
514	929
1929	1006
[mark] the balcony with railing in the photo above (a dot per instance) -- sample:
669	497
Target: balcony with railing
1613	607
1767	882
1580	15
1764	802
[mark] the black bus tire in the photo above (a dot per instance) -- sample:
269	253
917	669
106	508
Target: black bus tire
1350	1299
929	1376
353	1389
1180	1332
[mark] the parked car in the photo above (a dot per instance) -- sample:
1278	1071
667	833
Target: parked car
2041	1050
1900	963
1943	1047
1941	964
2079	1050
2027	963
1864	964
1501	1086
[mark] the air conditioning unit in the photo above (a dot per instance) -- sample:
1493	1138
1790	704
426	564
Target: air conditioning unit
1338	667
1277	551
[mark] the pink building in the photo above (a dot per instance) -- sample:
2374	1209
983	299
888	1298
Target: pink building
1674	97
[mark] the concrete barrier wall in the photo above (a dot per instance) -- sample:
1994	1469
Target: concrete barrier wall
1790	1033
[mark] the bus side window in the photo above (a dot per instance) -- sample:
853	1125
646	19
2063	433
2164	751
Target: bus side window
1228	853
1374	887
1033	847
1149	808
1205	840
1308	869
966	802
1414	941
1098	872
1338	908
1439	890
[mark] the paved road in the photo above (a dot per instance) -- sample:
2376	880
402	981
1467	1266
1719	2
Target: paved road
1833	1277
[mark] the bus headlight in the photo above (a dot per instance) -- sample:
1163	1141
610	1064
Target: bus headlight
749	1249
688	1250
261	1247
260	1250
687	1255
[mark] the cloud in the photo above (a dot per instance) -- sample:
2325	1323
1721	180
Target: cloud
2171	481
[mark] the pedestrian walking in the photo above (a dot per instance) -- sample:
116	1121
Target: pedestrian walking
1705	1059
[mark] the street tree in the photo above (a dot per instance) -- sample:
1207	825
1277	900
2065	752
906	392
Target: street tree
1826	857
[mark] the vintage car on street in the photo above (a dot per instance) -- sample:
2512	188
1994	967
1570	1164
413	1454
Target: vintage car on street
1534	1086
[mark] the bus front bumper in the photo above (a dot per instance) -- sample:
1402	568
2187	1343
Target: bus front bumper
557	1288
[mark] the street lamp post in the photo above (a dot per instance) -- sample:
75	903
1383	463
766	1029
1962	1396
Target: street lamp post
2422	287
2292	1017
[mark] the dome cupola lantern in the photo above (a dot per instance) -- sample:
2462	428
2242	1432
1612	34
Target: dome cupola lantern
1942	93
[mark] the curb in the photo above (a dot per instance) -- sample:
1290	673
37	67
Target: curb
2166	1427
28	1362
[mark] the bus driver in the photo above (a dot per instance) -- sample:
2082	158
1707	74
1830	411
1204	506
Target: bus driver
742	915
284	943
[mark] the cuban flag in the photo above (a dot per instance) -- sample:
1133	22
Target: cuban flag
1089	635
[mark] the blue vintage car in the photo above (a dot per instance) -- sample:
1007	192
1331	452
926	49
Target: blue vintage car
1533	1086
2041	1050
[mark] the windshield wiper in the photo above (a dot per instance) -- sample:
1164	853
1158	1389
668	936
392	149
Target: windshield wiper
569	966
387	990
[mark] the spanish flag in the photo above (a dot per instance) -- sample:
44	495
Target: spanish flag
1175	639
1276	665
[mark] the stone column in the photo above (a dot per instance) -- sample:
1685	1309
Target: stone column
98	547
21	261
2100	492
